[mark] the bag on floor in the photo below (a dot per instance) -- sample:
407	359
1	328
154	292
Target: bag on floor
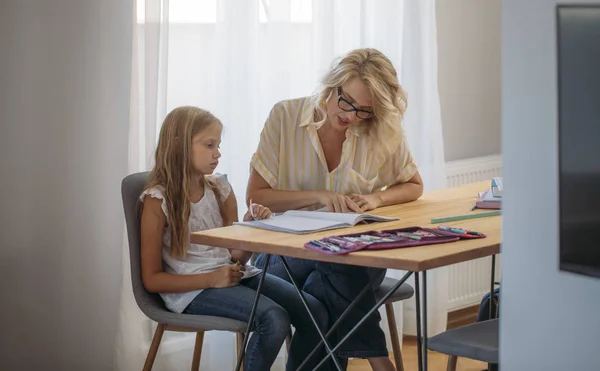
484	307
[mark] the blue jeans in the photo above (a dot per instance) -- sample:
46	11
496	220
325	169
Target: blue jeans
278	307
336	286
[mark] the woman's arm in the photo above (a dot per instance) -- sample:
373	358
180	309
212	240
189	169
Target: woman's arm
399	171
393	195
155	280
401	193
260	192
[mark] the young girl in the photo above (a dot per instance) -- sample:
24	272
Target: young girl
183	197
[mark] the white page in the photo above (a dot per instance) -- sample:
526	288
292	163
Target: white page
346	218
298	224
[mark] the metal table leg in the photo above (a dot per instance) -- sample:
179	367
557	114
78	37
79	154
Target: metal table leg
418	309
354	303
252	314
330	351
421	321
492	279
491	366
370	312
425	349
323	338
422	338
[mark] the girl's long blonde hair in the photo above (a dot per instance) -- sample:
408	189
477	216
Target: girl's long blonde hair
384	129
173	170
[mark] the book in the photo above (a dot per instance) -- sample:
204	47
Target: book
303	222
497	186
487	200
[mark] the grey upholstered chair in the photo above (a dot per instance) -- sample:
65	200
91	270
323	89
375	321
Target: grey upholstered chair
476	341
151	304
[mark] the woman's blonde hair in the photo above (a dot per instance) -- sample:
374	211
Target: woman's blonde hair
173	170
378	74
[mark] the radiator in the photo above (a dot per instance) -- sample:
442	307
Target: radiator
469	281
473	170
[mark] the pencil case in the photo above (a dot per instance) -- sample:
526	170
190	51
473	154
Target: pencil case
417	236
390	239
336	245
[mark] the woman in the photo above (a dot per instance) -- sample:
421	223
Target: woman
343	149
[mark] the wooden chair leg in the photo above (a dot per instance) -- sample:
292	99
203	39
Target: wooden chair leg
452	363
391	317
198	351
240	340
158	334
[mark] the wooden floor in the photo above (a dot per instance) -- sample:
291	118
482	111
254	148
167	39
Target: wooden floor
436	361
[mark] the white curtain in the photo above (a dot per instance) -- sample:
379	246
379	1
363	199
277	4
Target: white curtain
237	58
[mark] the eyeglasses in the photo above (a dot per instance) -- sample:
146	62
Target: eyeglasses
349	107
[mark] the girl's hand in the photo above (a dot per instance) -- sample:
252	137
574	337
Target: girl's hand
227	276
338	203
257	212
366	202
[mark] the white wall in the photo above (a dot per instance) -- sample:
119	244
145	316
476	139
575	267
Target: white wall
64	104
469	76
549	319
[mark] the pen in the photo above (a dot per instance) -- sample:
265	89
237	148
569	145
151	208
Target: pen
314	243
409	235
325	246
252	210
474	233
366	237
331	246
341	242
450	229
459	230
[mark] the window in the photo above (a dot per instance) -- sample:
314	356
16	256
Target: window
205	11
296	11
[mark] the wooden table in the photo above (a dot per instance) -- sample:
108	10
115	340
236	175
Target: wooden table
434	204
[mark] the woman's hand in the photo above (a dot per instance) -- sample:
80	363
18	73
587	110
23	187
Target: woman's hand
366	202
257	212
338	203
227	276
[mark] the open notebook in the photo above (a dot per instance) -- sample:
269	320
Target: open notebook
301	222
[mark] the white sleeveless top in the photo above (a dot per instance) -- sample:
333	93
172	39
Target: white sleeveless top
204	215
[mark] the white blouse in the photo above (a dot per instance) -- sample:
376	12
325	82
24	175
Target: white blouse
204	215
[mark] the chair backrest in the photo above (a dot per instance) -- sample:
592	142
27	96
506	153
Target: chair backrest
132	186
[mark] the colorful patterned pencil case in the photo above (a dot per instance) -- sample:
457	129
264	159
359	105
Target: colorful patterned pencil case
390	239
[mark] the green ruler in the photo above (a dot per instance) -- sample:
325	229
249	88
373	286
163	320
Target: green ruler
465	217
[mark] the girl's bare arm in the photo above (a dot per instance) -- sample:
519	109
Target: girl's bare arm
154	278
